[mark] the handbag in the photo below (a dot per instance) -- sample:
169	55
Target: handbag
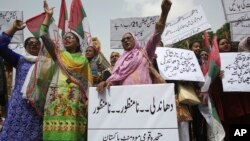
187	94
154	74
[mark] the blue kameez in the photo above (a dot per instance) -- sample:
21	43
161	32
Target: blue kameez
21	123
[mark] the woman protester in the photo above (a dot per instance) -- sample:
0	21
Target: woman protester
114	56
91	54
98	63
132	66
60	86
199	127
204	62
232	107
22	122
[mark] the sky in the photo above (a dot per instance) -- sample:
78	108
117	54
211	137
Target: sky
99	13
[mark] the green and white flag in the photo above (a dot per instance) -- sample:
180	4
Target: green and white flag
34	26
215	129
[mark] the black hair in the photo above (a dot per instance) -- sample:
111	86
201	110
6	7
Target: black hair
233	49
192	43
219	39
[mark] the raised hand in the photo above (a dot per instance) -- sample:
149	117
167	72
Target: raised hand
17	25
47	10
165	6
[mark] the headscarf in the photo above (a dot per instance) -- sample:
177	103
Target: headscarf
243	46
74	66
100	57
127	63
93	62
30	58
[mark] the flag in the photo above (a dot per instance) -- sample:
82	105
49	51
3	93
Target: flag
63	18
77	15
214	65
34	26
78	22
206	41
215	129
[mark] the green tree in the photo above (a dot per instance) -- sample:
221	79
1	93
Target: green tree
224	32
198	37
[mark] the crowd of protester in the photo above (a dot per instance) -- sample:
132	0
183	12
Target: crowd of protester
49	98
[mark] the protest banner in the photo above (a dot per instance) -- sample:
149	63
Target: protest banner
185	26
6	20
238	14
236	67
239	30
178	64
135	112
141	27
236	10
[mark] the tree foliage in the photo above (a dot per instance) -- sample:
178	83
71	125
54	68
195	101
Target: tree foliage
223	32
198	37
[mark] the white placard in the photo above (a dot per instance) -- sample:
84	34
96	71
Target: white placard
141	27
236	10
6	20
239	30
185	26
133	111
236	67
178	64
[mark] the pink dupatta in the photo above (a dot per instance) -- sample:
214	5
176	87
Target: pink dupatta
127	63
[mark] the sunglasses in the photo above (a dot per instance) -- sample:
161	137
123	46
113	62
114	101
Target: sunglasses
68	37
126	38
31	43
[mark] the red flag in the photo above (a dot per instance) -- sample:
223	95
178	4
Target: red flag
214	65
77	15
63	16
215	129
34	24
206	40
214	54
